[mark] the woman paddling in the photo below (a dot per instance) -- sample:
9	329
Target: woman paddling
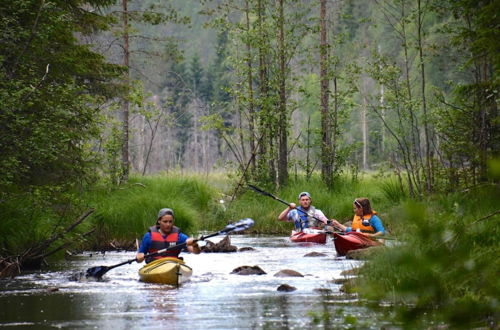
365	220
163	235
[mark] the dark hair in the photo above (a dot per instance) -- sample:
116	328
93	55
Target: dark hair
364	203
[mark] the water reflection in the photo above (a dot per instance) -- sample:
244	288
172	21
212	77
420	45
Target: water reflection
213	299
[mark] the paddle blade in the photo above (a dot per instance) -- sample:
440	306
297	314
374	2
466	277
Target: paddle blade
97	272
238	226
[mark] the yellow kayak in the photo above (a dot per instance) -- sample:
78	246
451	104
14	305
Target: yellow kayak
167	270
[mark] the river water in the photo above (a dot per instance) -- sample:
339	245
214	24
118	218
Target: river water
212	299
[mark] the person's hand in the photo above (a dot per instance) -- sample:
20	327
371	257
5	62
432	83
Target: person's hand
292	206
192	245
337	224
139	257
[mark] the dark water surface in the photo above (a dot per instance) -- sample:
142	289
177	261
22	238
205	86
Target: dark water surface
213	299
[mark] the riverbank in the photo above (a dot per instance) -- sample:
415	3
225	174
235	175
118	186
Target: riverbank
442	270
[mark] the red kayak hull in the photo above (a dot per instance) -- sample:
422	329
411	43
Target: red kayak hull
352	241
302	237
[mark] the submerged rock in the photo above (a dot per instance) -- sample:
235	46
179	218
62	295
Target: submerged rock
288	273
286	288
315	254
248	270
246	248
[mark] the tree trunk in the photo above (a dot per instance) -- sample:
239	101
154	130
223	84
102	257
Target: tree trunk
283	117
364	131
326	166
125	110
428	167
251	105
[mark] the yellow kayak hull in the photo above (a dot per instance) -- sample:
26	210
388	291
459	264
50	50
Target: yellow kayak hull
168	270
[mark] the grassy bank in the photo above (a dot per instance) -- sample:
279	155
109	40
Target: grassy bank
204	203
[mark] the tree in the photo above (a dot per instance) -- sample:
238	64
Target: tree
52	88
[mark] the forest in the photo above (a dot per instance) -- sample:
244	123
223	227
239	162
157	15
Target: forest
101	97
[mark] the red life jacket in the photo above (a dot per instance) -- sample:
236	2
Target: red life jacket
158	242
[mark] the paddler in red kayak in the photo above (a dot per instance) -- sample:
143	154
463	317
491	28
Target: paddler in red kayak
365	220
302	220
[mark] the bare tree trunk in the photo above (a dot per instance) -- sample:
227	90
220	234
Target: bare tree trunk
382	113
428	164
364	131
267	170
283	117
251	106
125	110
326	168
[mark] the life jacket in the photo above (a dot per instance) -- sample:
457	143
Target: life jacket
357	223
158	242
306	219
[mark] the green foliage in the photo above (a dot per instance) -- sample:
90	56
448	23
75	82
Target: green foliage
393	191
443	268
51	88
128	211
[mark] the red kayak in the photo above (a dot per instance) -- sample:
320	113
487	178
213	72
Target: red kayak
311	235
352	241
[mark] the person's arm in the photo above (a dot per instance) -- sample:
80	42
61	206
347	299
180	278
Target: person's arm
340	226
144	248
284	215
376	223
193	246
321	216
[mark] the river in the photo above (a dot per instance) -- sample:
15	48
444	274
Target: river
212	299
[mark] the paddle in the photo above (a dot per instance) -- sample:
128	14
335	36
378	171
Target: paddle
243	224
265	193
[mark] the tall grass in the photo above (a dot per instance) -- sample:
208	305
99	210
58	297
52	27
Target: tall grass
128	211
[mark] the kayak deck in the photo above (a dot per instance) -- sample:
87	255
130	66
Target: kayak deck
310	235
168	270
352	241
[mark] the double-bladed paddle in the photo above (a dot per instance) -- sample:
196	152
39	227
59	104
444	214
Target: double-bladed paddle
99	271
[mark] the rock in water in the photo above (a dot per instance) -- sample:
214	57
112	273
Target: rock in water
315	254
288	273
223	246
248	270
286	288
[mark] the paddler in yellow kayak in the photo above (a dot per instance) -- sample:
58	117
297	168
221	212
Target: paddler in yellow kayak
163	235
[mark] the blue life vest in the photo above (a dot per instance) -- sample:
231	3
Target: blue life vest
304	218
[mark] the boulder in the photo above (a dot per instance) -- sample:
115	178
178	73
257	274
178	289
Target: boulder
286	288
246	248
248	270
288	273
223	246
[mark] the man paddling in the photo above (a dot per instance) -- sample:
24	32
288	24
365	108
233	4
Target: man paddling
304	216
163	235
